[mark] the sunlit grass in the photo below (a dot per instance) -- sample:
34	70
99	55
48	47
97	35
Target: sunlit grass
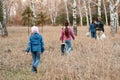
89	60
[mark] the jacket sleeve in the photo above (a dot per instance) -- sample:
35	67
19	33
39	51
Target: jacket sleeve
102	27
72	34
42	45
62	35
29	46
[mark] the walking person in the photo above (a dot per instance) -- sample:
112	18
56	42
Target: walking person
36	46
99	27
66	37
92	30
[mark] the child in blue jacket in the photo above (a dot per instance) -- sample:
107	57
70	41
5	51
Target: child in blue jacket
92	29
36	46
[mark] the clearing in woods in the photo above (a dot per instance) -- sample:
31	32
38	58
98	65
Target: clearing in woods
89	60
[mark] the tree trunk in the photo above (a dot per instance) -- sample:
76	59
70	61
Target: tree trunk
4	29
33	9
99	8
114	16
74	17
90	14
86	12
80	13
53	11
106	17
67	13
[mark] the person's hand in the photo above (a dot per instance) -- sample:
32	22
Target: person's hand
41	54
26	53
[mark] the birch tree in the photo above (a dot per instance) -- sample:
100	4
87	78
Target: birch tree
90	14
3	22
9	5
74	17
52	7
80	12
99	8
106	18
67	13
86	12
33	10
114	15
98	4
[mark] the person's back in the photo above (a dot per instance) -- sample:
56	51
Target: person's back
36	46
99	28
67	34
36	42
66	37
92	27
100	25
92	30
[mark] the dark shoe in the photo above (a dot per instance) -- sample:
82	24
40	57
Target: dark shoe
63	48
35	69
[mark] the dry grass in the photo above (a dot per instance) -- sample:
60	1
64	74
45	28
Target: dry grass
90	59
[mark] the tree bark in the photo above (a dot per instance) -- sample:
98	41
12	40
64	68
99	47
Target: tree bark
4	29
80	13
99	8
86	12
113	16
106	17
90	14
74	17
33	10
53	11
67	13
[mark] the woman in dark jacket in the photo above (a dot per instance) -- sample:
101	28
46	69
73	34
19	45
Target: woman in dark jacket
99	27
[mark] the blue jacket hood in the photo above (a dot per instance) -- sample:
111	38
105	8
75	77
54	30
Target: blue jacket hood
35	43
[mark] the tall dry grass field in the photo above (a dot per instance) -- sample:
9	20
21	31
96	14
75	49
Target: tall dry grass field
89	60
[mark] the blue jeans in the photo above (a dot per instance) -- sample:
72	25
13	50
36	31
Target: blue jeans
68	46
93	35
35	60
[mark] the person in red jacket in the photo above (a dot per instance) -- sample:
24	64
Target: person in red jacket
66	37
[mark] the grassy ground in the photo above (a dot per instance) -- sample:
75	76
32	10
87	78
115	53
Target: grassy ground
89	60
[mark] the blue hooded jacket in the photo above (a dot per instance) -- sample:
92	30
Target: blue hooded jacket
36	43
92	27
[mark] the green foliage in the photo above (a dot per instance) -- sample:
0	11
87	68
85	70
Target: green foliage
27	16
1	13
61	19
40	19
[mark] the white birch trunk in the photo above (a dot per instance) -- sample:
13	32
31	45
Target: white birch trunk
114	16
86	12
74	17
50	11
80	13
53	12
99	8
33	9
1	29
52	20
90	14
67	13
106	17
54	17
4	29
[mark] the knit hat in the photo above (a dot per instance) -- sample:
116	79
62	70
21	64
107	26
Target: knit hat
35	29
